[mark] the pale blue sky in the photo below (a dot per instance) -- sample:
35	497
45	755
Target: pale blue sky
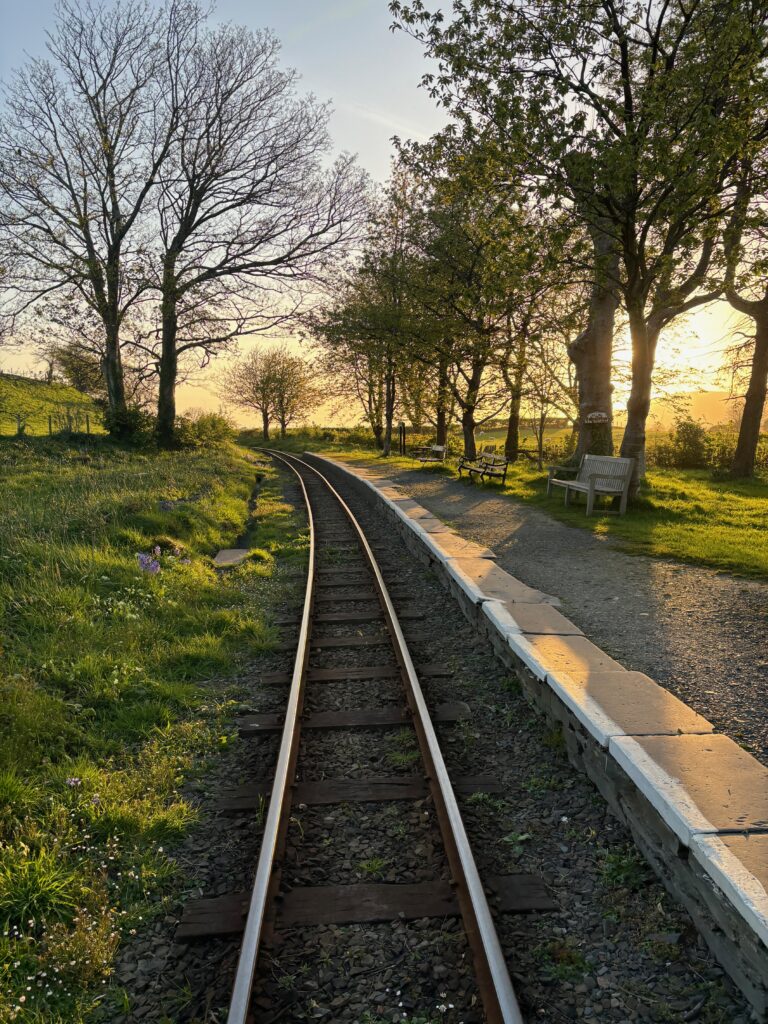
343	49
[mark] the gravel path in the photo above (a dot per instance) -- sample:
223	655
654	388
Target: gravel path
700	633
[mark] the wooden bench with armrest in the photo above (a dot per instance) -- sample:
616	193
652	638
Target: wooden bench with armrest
429	453
595	474
486	465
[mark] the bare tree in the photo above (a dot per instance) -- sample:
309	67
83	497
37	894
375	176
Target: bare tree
248	384
81	144
295	389
245	202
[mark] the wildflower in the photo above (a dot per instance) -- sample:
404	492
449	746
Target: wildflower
147	563
73	781
157	551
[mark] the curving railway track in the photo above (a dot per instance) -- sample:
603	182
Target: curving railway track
349	633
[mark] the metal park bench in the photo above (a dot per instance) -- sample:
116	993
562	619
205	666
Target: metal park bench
487	464
596	474
429	453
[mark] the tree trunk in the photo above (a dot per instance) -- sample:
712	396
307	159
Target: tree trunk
265	423
112	363
540	439
441	406
644	340
512	442
591	352
743	464
169	359
283	428
468	430
112	371
389	410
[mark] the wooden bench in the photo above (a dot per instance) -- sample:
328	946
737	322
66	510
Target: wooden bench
487	464
596	474
429	453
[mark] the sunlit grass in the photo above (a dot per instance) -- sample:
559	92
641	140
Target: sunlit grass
106	702
682	514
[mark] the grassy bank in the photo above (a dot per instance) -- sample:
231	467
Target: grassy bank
113	683
33	401
681	514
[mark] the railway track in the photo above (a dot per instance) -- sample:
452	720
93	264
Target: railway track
349	635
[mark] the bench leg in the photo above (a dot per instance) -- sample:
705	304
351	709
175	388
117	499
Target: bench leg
567	500
590	501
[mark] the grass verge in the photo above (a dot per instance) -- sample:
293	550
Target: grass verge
113	689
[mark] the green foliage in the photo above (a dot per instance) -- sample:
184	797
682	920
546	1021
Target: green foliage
624	869
561	960
687	448
36	887
373	866
204	430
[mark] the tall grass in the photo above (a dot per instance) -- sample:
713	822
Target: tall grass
105	704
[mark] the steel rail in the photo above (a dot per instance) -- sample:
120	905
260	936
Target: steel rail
498	995
239	1007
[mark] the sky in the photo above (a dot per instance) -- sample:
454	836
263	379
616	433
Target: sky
346	53
342	48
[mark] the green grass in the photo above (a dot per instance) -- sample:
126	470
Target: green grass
34	401
681	514
115	686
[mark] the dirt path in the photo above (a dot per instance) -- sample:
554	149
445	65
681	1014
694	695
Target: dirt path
700	633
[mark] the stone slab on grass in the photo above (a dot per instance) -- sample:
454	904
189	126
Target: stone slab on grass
626	704
228	558
698	784
739	866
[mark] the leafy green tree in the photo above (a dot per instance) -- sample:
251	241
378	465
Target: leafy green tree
746	288
630	116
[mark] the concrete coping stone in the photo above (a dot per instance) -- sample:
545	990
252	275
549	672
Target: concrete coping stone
542	618
452	545
574	657
698	784
228	558
626	704
739	866
482	577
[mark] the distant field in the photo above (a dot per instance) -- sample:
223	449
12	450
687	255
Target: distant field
34	401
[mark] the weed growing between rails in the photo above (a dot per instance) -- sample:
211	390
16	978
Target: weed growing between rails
104	675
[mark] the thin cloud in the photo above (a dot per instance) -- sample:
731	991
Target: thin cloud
397	126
